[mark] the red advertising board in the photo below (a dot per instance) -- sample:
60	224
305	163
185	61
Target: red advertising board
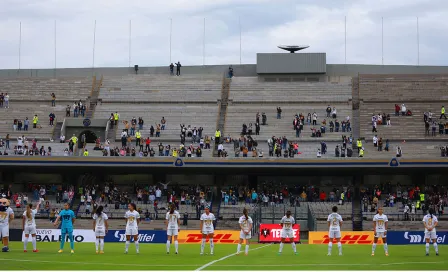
271	233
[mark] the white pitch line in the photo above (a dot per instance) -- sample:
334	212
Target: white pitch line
226	257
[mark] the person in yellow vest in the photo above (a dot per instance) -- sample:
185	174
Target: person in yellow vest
342	198
138	136
74	139
422	197
35	121
174	153
417	206
442	112
86	153
361	152
217	136
359	144
116	117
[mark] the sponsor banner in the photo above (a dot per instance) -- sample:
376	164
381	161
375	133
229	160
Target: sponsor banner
413	237
144	236
54	235
271	233
220	237
347	238
15	235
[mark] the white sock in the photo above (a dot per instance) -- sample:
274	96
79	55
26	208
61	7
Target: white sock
25	243
33	240
97	243
436	247
212	246
238	248
168	246
176	245
340	247
247	249
373	247
385	248
102	244
137	246
202	245
427	248
330	246
294	247
281	247
127	245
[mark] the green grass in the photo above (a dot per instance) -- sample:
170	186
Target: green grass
261	257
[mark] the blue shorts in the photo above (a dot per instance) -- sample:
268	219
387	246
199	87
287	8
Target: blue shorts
68	231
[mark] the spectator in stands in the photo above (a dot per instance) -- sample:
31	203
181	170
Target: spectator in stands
6	101
217	136
399	152
2	98
158	128
230	73
26	123
279	113
52	116
442	112
178	65
53	100
35	121
361	152
171	69
403	109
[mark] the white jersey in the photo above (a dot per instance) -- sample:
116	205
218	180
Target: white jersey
208	222
245	223
4	217
335	222
288	223
380	222
430	222
100	221
30	222
132	218
172	220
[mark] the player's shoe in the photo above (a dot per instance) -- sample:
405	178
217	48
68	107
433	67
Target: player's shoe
25	250
125	252
437	253
340	253
296	253
427	254
329	254
246	254
137	252
279	253
35	250
167	253
101	252
97	252
72	251
238	253
211	253
60	251
387	254
202	253
373	254
5	249
177	252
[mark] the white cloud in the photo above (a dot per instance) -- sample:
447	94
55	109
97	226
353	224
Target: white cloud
265	25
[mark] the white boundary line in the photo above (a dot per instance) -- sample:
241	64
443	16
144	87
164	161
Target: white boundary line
225	257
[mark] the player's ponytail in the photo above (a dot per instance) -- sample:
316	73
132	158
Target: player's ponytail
431	212
288	214
172	208
133	206
245	214
28	211
99	211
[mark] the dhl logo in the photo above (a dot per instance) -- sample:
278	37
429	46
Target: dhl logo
221	237
347	238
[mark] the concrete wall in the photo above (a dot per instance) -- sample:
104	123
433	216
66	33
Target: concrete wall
298	63
75	126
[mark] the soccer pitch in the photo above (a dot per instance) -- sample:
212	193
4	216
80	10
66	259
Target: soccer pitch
261	257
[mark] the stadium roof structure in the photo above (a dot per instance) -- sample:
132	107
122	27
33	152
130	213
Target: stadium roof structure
293	48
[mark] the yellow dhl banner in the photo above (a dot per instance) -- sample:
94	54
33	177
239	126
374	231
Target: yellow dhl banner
347	238
220	237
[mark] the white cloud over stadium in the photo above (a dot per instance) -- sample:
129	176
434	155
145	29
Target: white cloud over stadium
265	24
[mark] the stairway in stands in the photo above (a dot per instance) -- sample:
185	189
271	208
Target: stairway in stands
357	211
355	109
225	90
94	97
57	131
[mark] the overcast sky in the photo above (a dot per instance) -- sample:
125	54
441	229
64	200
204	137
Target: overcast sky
264	25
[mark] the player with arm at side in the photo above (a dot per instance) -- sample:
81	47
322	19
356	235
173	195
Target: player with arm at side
207	229
334	230
29	226
67	217
246	224
132	218
100	227
6	216
430	222
172	223
287	224
380	230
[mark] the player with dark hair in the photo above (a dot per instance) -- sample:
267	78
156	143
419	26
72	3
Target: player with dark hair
430	222
132	218
246	224
287	224
207	229
172	222
67	217
29	226
100	227
380	230
334	230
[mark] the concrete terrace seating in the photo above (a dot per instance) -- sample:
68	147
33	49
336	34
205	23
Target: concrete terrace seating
237	114
196	115
160	88
403	88
402	127
40	89
21	110
250	90
321	210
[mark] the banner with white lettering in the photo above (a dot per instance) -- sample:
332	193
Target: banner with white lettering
54	235
271	233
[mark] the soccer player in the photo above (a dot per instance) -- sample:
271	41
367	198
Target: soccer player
172	223
380	230
132	220
207	229
6	216
334	230
29	226
287	224
100	227
67	217
245	233
430	221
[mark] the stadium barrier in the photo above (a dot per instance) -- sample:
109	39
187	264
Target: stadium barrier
347	238
144	236
220	237
54	235
270	233
413	237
